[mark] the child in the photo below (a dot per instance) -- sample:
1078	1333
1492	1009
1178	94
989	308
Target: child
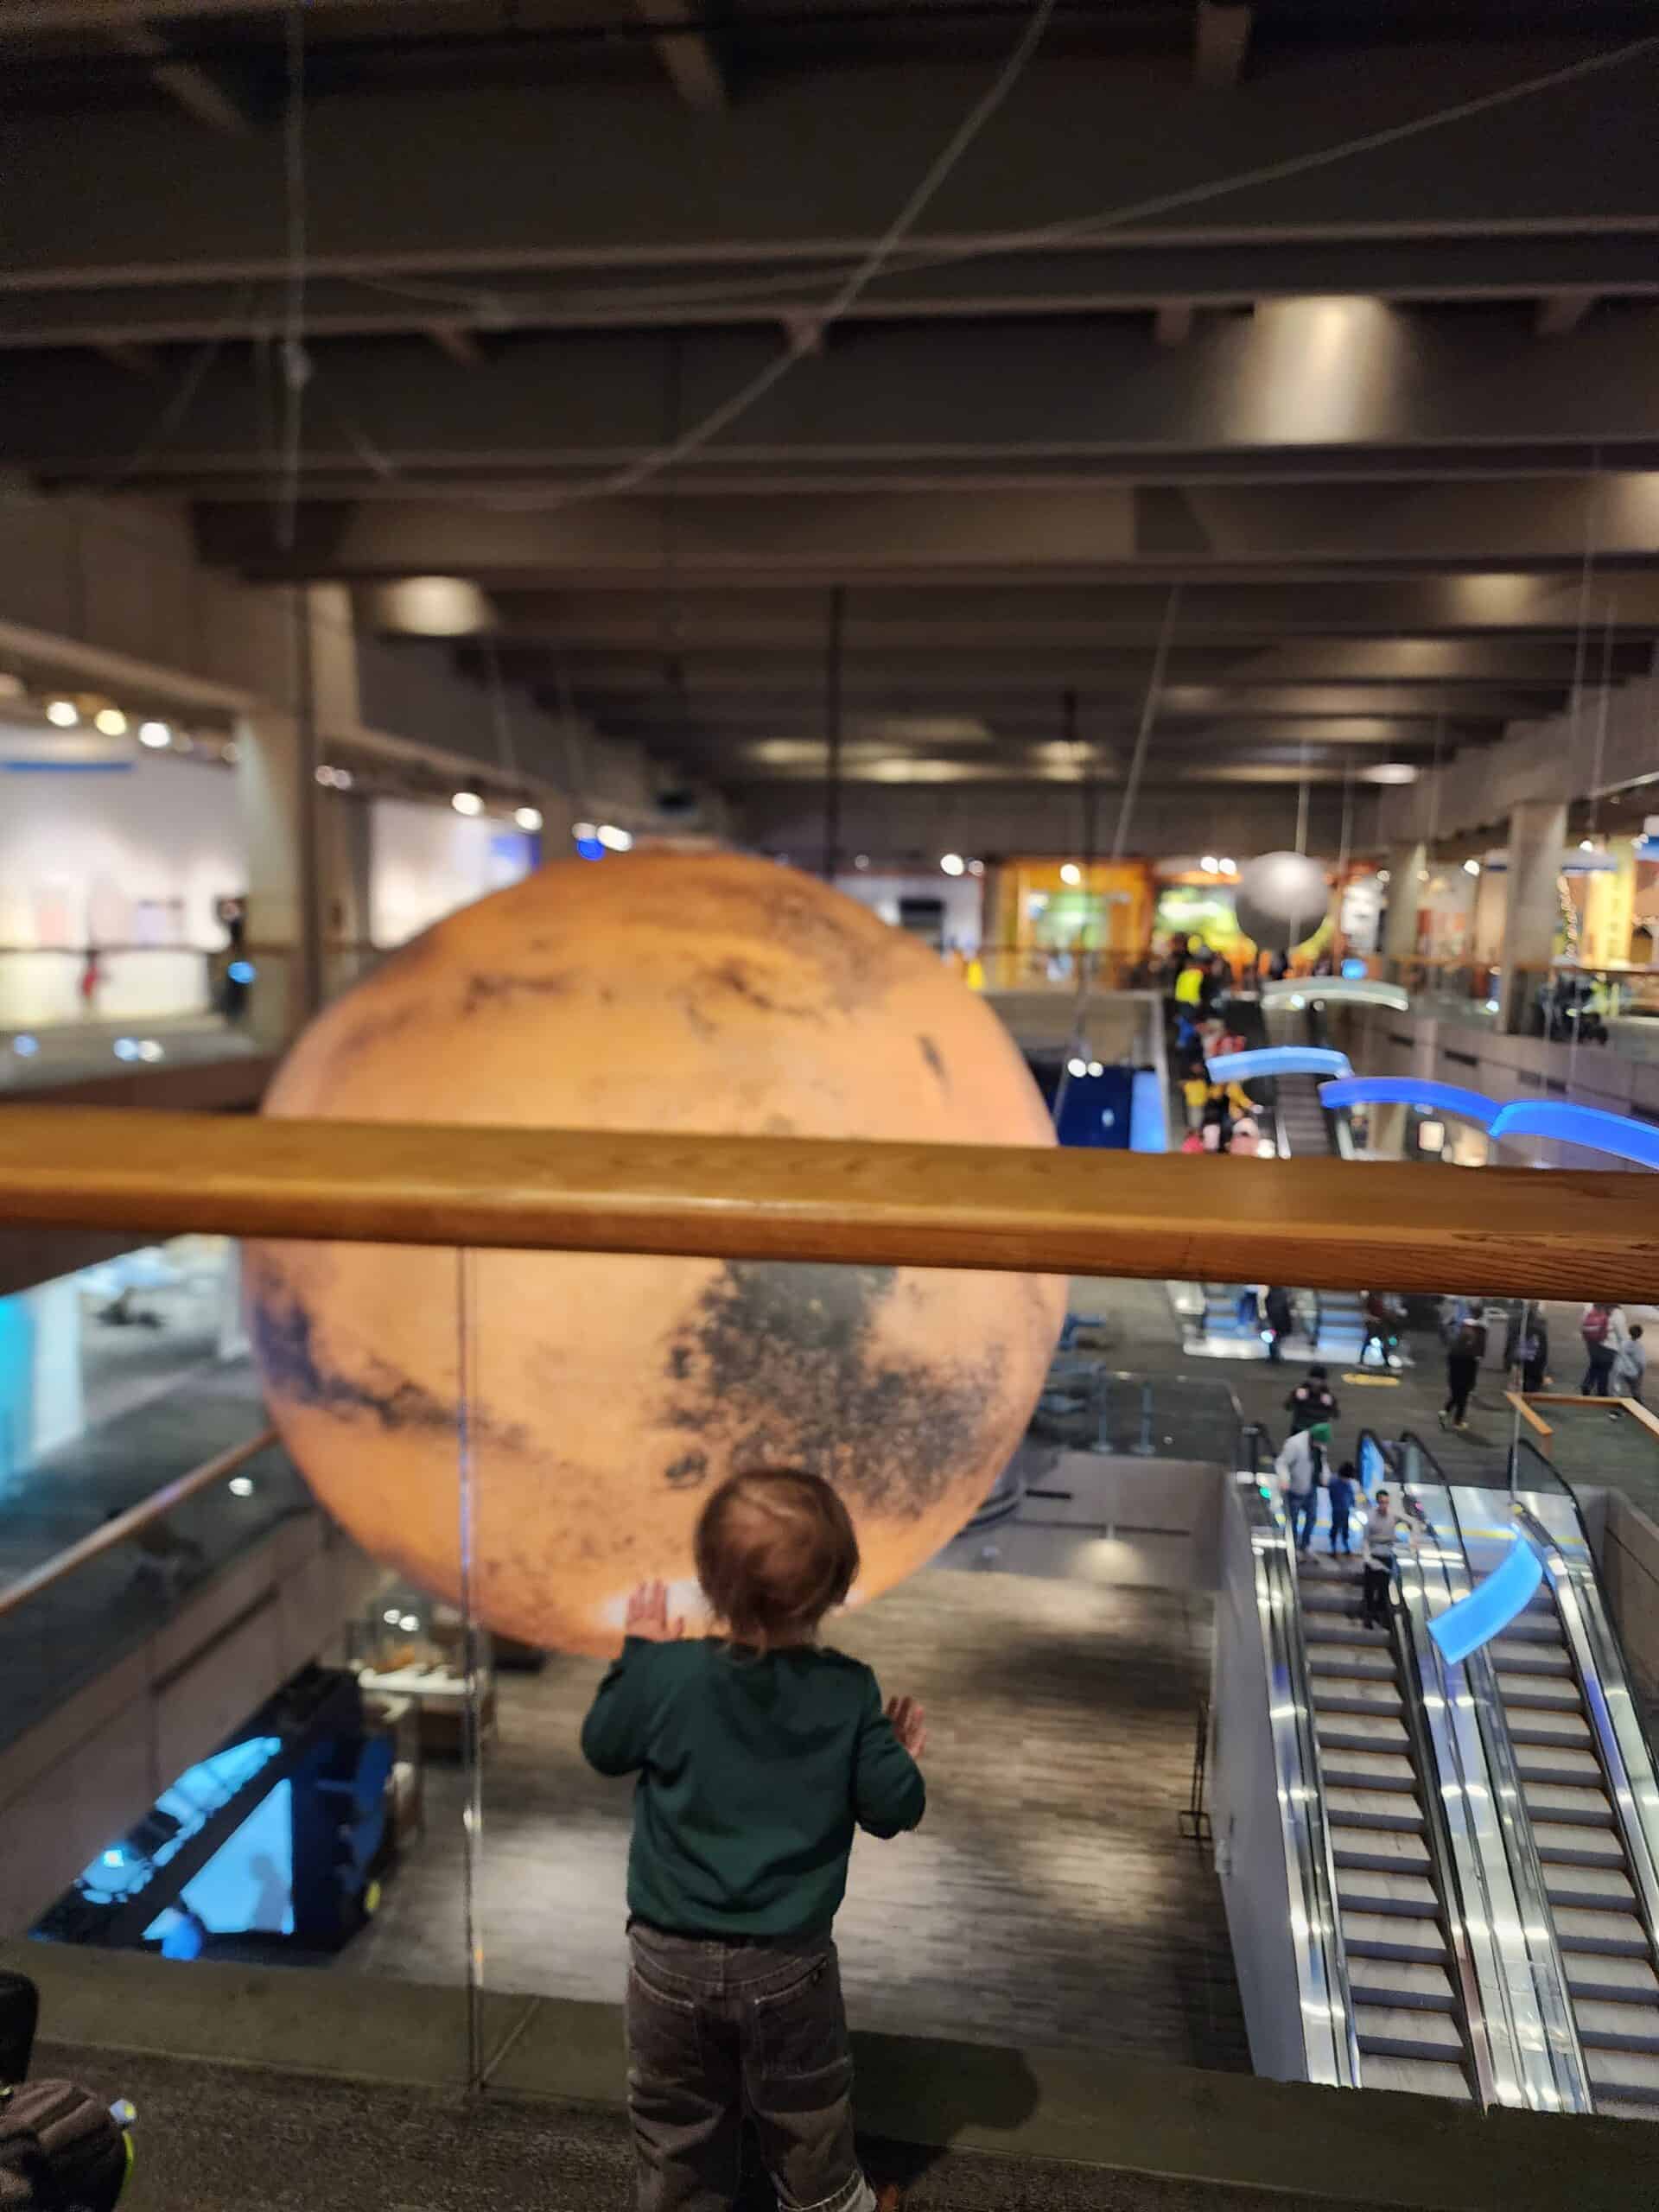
1342	1506
759	1751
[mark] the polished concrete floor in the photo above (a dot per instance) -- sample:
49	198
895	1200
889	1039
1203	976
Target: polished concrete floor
1047	1899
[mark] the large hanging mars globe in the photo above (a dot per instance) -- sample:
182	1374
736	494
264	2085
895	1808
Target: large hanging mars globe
607	1396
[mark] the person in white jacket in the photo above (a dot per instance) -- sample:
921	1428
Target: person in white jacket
1381	1534
1303	1467
1630	1365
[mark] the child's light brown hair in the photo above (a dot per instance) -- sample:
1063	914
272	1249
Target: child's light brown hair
775	1552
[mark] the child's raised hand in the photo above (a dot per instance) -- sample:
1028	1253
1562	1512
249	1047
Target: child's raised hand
647	1615
909	1719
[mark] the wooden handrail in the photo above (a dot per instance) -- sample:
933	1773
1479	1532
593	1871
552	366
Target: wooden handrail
1322	1224
127	1525
1533	1419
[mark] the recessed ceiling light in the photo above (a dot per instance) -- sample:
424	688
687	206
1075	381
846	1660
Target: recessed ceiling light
467	803
62	714
615	839
1071	873
1389	772
155	734
953	864
110	721
528	818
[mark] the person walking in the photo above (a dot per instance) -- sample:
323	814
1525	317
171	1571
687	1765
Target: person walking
1462	1370
1630	1365
1275	1308
1301	1467
1312	1399
1381	1534
1533	1348
1342	1490
1604	1333
759	1753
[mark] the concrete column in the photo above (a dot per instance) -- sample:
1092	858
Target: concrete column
1406	866
58	1414
1532	908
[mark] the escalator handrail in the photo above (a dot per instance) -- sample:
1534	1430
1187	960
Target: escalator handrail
1309	1846
1621	1741
1535	1915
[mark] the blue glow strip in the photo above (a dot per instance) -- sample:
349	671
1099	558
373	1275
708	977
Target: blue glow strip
1581	1125
1491	1606
1278	1059
1404	1090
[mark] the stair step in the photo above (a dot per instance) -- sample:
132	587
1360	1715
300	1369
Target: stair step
1385	1851
1401	2031
1537	1692
1600	1931
1530	1657
1530	1724
1398	1936
1348	1661
1421	2077
1618	2026
1558	1764
1369	1889
1542	1627
1396	1810
1619	1980
1583	1805
1631	2076
1359	1732
1571	1843
1590	1888
1346	1768
1337	1695
1341	1628
1412	1986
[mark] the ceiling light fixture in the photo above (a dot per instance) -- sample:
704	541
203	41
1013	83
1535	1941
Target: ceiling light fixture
1230	868
110	721
953	864
1472	868
860	860
975	867
615	839
155	734
1210	865
528	818
62	714
583	832
1071	873
467	803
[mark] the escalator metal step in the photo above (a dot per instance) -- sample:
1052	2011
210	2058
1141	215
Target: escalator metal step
1368	1888
1365	1770
1337	1626
1571	1843
1393	1935
1406	1985
1399	2031
1617	2027
1558	1764
1537	1692
1351	1659
1337	1695
1531	1656
1631	2076
1531	1629
1592	1888
1359	1732
1528	1725
1582	1804
1420	2077
1397	1810
1601	1974
1603	1930
1383	1851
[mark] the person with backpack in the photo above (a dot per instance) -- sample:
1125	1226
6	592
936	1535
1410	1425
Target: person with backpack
1343	1487
1533	1349
1603	1331
1312	1399
1630	1365
1301	1466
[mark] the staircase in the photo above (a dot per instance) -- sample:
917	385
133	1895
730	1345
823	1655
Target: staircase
1301	1118
1604	1948
1393	1920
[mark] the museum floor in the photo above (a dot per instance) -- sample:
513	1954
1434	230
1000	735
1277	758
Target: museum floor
1047	1897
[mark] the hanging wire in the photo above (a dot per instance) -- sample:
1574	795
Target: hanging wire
295	367
1301	803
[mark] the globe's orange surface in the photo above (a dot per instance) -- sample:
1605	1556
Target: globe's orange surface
673	993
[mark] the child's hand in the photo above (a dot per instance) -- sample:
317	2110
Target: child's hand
647	1615
909	1720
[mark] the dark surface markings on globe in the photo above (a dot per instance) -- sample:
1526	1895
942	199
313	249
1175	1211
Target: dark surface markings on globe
779	1361
687	1472
735	978
284	1344
935	1059
499	989
851	952
370	1028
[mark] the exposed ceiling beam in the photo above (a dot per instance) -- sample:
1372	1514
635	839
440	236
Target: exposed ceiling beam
199	92
1560	313
639	179
1172	325
687	55
135	360
456	342
1221	42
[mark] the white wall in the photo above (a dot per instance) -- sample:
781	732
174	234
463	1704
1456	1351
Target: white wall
426	861
137	855
963	897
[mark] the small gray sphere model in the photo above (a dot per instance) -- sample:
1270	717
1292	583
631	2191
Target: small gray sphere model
1281	901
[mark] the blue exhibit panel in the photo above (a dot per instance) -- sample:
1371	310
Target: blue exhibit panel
1278	1059
1586	1126
1096	1109
1491	1606
1447	1098
1148	1122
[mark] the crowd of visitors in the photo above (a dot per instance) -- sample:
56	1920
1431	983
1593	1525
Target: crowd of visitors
1307	1471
